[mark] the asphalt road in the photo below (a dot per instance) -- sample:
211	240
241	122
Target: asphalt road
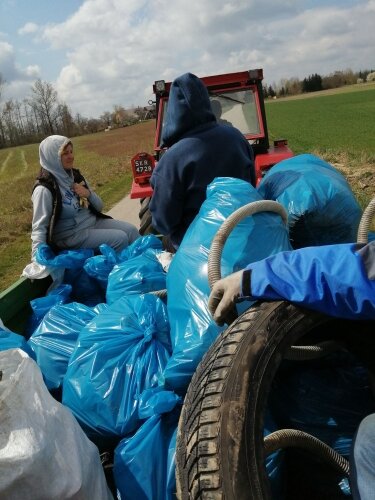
127	210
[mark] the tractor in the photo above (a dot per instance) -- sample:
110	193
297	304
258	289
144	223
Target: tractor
237	100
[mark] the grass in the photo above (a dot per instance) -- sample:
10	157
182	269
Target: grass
103	158
337	126
331	123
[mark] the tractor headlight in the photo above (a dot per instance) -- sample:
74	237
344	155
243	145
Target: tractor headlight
160	85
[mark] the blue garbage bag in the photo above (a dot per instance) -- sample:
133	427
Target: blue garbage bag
275	462
11	340
68	259
327	398
41	305
100	266
122	352
141	274
55	338
321	206
139	246
192	327
85	289
144	463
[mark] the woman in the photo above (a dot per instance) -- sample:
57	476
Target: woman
66	212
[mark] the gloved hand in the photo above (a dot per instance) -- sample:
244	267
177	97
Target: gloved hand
223	296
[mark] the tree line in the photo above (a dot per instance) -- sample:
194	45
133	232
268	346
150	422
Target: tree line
315	82
42	113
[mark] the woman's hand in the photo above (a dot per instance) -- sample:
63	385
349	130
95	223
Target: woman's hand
81	190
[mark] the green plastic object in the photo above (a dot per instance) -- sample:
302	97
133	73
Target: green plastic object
15	302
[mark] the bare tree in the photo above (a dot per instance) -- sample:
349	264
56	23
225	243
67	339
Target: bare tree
118	115
10	122
65	120
31	122
2	132
80	123
106	118
94	125
44	102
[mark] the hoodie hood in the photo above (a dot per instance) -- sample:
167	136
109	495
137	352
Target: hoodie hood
188	107
50	159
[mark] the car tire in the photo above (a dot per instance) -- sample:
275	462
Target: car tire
220	452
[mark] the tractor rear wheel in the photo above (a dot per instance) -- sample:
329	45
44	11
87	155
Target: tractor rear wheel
145	202
145	218
220	452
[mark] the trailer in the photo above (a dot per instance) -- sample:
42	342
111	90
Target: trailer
221	449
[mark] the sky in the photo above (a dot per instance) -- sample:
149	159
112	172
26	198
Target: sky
102	53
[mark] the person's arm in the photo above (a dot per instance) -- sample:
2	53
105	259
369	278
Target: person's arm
89	194
42	212
167	199
333	279
95	200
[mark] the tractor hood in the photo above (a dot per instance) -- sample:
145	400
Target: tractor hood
188	107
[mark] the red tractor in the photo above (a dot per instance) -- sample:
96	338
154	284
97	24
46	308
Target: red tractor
237	100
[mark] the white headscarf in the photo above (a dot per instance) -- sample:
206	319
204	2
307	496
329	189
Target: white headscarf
50	159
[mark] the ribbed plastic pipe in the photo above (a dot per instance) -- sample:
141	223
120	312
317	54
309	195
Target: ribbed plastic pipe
309	352
292	438
160	293
217	245
364	225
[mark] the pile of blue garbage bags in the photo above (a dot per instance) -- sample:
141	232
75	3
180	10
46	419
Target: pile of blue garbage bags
121	358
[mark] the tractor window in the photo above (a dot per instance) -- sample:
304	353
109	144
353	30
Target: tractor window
238	109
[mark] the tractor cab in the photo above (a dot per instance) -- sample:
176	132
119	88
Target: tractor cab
236	100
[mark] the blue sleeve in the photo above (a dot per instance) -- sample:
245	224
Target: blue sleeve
333	279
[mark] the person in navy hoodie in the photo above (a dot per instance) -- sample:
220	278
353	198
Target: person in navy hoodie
199	149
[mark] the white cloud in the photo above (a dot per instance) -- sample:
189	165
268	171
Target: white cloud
33	71
115	50
18	80
118	49
70	76
28	28
8	67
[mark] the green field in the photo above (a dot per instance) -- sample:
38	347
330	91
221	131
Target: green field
335	125
332	123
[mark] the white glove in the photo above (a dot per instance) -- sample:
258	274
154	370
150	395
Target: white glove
223	297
